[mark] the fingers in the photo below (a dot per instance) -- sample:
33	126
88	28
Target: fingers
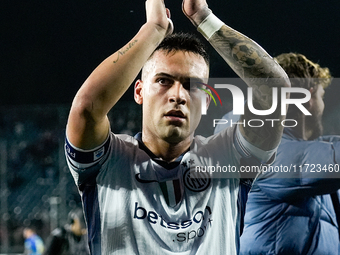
170	27
171	24
159	15
195	10
168	13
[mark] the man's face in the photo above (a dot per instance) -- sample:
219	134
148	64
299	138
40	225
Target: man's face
317	107
171	109
77	228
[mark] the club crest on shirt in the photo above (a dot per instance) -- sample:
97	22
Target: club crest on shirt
196	181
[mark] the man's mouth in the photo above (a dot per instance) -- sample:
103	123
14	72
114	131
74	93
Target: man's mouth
174	115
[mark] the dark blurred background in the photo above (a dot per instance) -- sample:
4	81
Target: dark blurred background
48	48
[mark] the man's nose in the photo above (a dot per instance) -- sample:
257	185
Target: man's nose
178	93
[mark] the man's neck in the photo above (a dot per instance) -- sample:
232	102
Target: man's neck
165	150
302	128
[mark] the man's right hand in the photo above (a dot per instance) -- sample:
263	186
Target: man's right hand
157	14
195	10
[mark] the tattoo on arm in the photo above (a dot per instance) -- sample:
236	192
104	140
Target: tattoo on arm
122	52
257	68
243	55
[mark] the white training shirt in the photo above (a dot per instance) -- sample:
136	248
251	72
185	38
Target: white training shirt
137	204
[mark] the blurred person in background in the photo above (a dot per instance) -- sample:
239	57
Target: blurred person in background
70	239
34	245
298	212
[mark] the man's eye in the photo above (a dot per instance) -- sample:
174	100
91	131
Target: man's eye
164	81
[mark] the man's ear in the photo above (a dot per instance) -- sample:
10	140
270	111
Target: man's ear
138	92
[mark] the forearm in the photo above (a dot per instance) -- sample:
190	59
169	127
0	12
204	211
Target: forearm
251	61
109	81
259	70
88	124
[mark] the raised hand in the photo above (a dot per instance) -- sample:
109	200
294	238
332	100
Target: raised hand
157	14
195	10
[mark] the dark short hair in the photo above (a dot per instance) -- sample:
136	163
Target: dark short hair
183	42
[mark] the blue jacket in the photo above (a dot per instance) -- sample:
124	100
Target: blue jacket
289	209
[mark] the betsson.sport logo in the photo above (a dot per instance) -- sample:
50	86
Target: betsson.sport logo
179	231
